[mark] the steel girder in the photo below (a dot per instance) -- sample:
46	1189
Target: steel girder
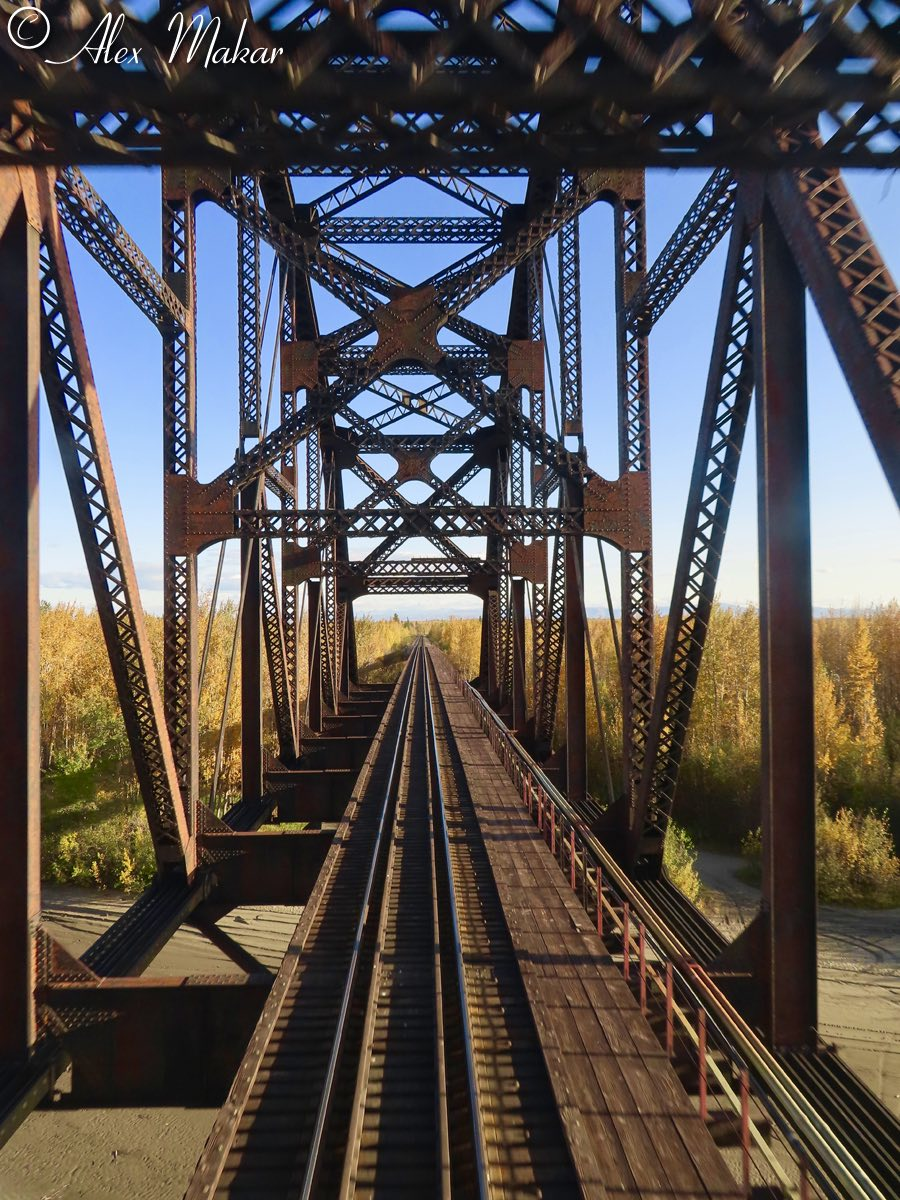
390	231
855	294
702	228
277	654
248	316
697	85
86	215
634	455
722	424
180	662
787	919
20	618
504	521
74	409
570	381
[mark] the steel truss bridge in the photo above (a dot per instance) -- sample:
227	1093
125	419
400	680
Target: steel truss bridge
575	100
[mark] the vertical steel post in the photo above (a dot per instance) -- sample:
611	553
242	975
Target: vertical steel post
251	662
314	650
634	455
723	420
519	713
180	661
493	646
484	657
538	492
344	640
786	643
352	652
250	427
576	703
290	615
249	376
20	622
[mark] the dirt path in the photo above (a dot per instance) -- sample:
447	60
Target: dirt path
859	973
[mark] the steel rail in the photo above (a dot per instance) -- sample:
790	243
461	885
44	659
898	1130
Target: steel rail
836	1171
328	1089
356	1130
440	817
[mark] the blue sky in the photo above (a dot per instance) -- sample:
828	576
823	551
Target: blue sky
856	548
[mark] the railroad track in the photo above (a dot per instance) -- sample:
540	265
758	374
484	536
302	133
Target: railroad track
424	1075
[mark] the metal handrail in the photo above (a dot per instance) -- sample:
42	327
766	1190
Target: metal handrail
811	1138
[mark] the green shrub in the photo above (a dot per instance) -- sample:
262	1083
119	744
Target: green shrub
679	859
105	851
855	859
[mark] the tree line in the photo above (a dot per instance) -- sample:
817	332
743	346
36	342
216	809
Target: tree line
85	759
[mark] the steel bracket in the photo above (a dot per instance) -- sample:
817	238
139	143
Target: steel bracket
619	510
529	562
525	365
196	514
299	366
299	563
412	464
407	327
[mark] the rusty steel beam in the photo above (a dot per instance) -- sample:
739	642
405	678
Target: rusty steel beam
75	412
633	372
720	439
179	384
855	295
159	1041
590	87
622	525
249	415
314	656
90	219
519	696
19	617
699	232
251	663
389	231
788	784
576	695
276	653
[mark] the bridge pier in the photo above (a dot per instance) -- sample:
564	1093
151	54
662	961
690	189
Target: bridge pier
576	723
251	663
787	787
19	622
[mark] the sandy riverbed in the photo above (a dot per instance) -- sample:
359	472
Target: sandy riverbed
148	1154
859	973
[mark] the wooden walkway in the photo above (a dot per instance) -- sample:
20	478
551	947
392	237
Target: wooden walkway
533	1026
632	1129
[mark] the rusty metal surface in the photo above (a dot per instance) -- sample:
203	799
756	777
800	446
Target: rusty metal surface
788	782
716	461
75	411
482	406
601	87
20	623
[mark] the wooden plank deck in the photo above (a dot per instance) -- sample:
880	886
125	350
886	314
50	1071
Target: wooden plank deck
632	1129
